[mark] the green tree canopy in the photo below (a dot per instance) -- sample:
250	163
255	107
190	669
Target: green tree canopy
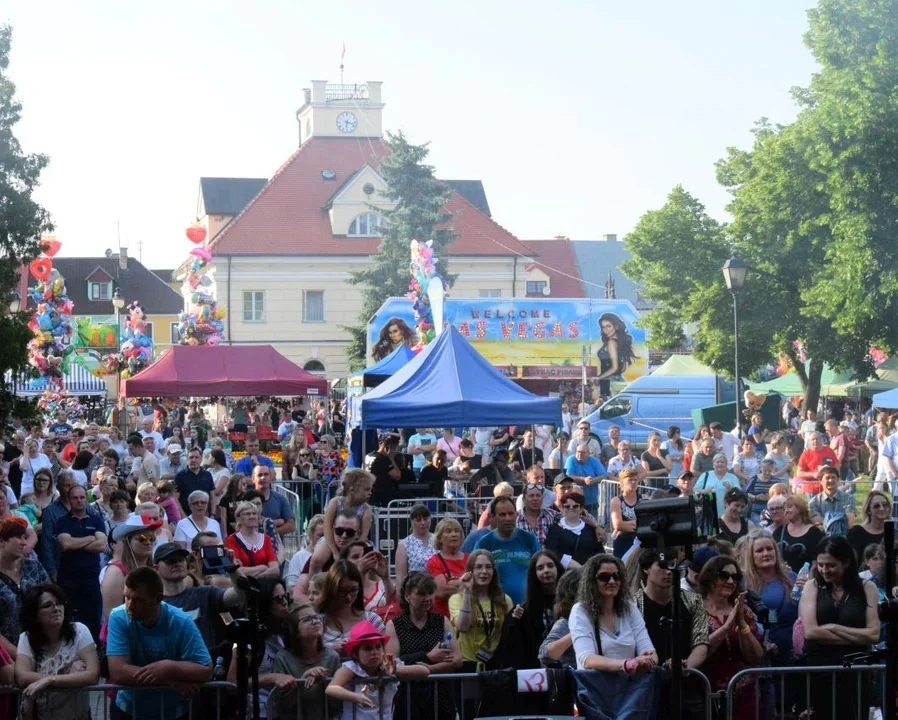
419	214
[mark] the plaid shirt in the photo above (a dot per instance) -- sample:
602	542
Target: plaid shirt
546	519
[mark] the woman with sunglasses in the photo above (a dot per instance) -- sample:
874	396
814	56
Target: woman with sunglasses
133	542
877	509
732	631
607	631
343	605
839	613
54	651
296	452
571	539
307	660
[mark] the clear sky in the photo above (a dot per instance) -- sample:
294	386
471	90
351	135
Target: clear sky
578	116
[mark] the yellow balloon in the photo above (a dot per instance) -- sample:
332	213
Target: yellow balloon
220	313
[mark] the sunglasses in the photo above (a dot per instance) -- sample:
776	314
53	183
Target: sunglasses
724	576
340	532
533	486
144	538
305	454
282	598
879	506
607	577
569	506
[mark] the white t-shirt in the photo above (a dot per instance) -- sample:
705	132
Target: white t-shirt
727	444
294	568
351	711
29	466
186	529
60	705
80	477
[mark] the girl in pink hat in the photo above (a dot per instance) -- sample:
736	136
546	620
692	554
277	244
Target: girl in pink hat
370	680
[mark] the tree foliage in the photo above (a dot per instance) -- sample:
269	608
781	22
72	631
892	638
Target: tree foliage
815	215
419	214
22	222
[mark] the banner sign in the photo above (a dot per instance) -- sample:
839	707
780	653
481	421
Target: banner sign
531	337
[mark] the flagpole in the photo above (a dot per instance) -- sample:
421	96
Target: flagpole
342	56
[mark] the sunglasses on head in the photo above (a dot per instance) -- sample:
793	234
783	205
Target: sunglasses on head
348	532
533	486
724	575
606	577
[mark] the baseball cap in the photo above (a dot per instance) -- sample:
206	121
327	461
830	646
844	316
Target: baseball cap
700	557
173	448
168	550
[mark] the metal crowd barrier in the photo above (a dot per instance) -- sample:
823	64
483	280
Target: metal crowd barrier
307	498
610	489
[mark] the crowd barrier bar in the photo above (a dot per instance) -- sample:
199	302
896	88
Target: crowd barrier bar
306	499
807	672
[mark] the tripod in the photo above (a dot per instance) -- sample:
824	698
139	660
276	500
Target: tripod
246	633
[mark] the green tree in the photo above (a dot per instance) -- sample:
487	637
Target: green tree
814	215
418	214
22	222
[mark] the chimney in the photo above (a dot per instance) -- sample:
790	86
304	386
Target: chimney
123	258
610	237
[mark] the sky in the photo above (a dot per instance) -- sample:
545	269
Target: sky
577	118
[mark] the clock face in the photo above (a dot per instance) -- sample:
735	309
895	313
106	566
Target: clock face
347	122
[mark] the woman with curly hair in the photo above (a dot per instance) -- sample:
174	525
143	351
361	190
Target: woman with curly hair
607	629
616	352
396	332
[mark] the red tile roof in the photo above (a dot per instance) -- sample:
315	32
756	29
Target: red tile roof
287	216
556	259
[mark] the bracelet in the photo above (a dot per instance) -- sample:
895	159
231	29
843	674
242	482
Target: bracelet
627	666
464	611
745	631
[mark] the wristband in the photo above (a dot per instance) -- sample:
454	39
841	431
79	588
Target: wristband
627	666
745	631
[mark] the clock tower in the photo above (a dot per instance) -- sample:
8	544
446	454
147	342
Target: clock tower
330	110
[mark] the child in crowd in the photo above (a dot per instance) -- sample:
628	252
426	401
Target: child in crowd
373	698
316	586
165	498
353	496
29	508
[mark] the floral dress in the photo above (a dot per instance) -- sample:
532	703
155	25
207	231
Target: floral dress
727	660
330	467
418	551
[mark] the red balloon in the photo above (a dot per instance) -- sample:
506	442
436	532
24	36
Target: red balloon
41	268
196	234
50	246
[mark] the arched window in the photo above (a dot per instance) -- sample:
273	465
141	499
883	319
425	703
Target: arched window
316	367
366	225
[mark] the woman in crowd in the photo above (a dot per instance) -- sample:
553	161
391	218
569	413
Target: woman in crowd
116	443
307	660
717	480
218	468
30	462
767	575
559	454
107	483
877	509
776	513
228	501
758	489
419	635
266	524
732	630
447	564
839	613
607	631
449	444
479	611
328	461
44	494
732	525
571	539
557	649
196	438
17	574
79	467
675	449
252	549
656	463
133	548
747	464
703	458
799	537
54	651
174	433
623	512
377	588
524	632
782	460
702	433
295	444
314	532
198	521
342	604
415	549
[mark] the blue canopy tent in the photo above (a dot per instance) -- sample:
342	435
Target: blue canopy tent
450	384
887	399
385	368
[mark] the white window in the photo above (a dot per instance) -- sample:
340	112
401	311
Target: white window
490	293
366	225
313	306
100	291
175	335
254	306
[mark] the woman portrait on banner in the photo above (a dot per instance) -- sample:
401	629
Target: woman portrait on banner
616	352
396	332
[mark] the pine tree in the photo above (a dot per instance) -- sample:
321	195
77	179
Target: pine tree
22	222
419	214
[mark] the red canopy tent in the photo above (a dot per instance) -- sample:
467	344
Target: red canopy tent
223	370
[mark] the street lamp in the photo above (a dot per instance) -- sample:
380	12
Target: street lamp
118	302
15	301
734	272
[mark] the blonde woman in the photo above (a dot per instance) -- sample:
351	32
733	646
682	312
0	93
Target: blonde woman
252	549
314	532
798	537
767	575
447	565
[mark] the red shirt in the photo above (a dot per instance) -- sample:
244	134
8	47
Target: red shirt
450	569
812	461
247	557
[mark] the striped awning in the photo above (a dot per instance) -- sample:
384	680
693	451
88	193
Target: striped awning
78	381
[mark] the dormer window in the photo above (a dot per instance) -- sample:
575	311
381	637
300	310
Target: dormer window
100	290
366	225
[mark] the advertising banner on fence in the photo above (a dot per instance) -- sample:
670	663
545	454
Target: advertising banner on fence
530	337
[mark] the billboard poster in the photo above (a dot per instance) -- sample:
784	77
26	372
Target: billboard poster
531	337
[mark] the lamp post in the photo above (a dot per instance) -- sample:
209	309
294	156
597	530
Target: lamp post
118	302
15	302
734	272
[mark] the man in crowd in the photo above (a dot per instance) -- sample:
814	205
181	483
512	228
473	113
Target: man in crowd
12	451
194	477
807	427
525	455
48	550
61	427
511	548
537	476
838	443
146	430
609	449
274	505
832	510
421	446
494	473
816	456
152	643
145	467
81	538
584	437
387	475
586	470
724	442
253	457
346	530
534	518
172	463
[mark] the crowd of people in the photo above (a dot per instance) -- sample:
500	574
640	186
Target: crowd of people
120	553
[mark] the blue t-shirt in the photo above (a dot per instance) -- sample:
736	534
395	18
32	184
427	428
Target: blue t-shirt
470	543
245	465
174	637
591	468
277	507
417	440
60	429
512	558
80	562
